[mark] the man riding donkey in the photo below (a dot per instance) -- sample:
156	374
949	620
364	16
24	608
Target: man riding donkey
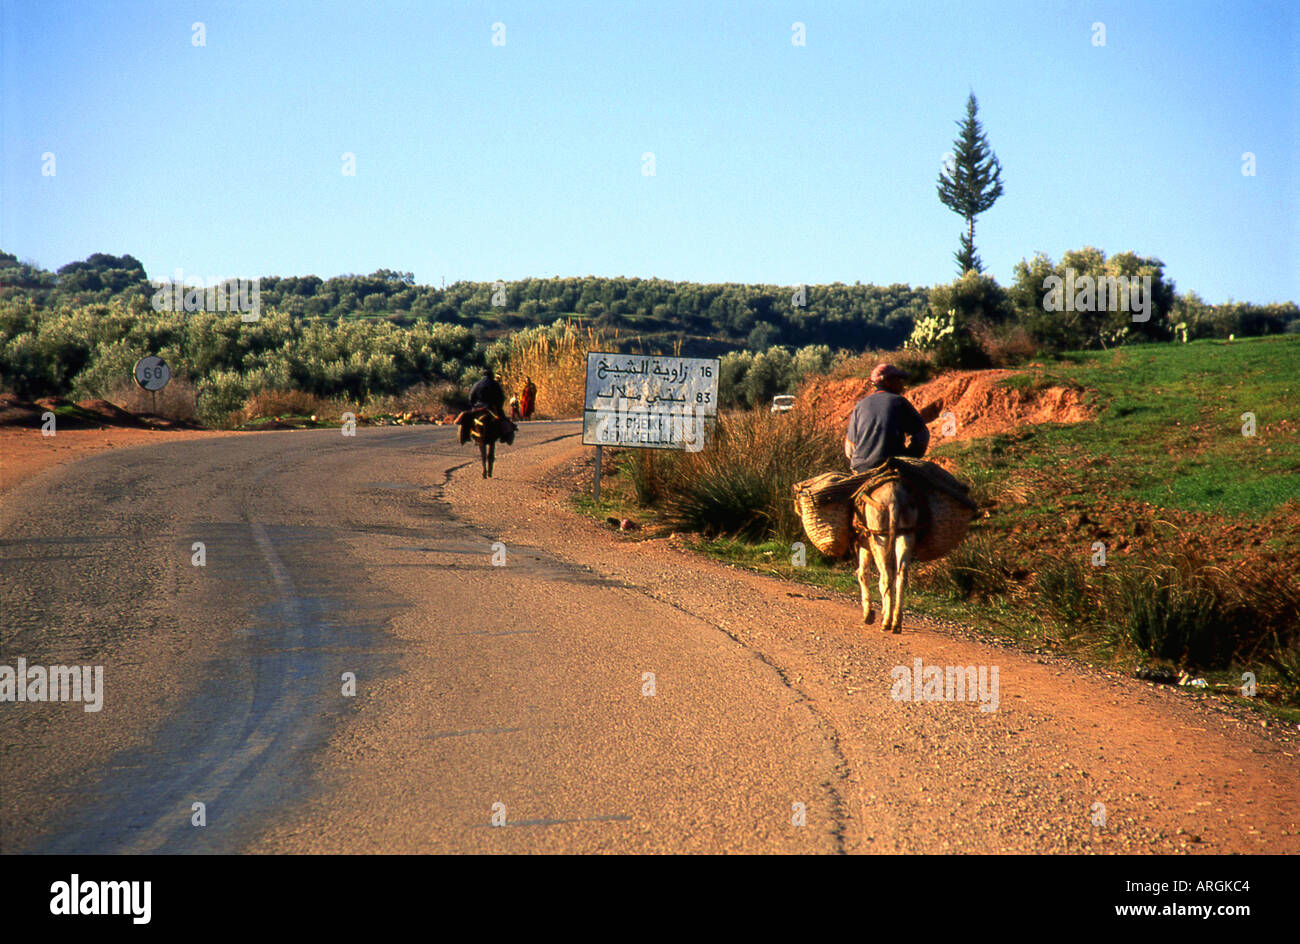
485	420
895	507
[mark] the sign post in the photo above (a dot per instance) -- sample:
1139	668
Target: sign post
152	374
642	402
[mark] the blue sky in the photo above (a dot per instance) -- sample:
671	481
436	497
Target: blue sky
773	162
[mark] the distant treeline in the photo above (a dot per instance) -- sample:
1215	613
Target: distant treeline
703	318
79	330
89	350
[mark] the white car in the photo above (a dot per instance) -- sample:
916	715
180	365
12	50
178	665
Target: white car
782	404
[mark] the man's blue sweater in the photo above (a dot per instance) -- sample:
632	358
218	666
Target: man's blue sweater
877	427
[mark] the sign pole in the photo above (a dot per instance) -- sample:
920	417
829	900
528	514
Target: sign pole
152	374
599	462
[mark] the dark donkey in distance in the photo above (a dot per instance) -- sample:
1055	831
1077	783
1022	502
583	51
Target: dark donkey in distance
487	429
485	421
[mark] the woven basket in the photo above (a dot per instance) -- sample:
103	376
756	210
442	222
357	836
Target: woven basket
827	518
949	521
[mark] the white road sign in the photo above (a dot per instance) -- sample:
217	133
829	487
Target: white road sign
151	373
651	402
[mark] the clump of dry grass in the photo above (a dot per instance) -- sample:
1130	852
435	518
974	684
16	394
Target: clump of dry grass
1005	345
276	403
433	401
556	360
425	401
1174	606
177	401
741	482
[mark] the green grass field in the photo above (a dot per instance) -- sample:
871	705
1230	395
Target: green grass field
1169	427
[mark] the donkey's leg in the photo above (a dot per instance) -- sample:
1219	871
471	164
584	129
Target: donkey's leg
864	559
902	562
482	457
491	457
884	566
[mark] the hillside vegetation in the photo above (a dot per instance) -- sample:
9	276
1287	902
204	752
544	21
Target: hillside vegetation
384	342
701	319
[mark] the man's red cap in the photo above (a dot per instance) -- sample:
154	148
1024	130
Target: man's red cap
882	372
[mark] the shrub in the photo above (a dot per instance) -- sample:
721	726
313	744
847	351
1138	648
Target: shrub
1069	328
647	476
220	395
748	380
89	351
740	484
1170	611
433	399
919	364
283	403
950	339
1061	586
1176	608
1285	661
177	401
977	569
957	310
1005	345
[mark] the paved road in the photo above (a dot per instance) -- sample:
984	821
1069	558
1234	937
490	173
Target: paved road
516	661
326	555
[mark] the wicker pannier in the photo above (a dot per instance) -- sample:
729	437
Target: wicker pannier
826	512
825	504
948	522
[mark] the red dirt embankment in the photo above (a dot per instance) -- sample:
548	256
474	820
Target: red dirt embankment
979	404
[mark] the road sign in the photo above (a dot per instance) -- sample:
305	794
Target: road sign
649	402
151	373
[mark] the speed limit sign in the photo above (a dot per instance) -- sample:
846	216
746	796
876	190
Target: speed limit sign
151	373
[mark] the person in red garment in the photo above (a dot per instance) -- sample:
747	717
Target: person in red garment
528	399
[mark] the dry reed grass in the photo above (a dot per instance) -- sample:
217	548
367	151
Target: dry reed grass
557	363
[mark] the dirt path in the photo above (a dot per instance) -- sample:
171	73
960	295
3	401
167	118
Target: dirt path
1174	773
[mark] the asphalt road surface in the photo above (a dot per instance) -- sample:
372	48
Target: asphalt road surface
320	643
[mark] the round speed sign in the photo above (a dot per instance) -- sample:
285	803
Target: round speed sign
151	373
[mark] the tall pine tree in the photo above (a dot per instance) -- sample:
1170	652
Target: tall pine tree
971	184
